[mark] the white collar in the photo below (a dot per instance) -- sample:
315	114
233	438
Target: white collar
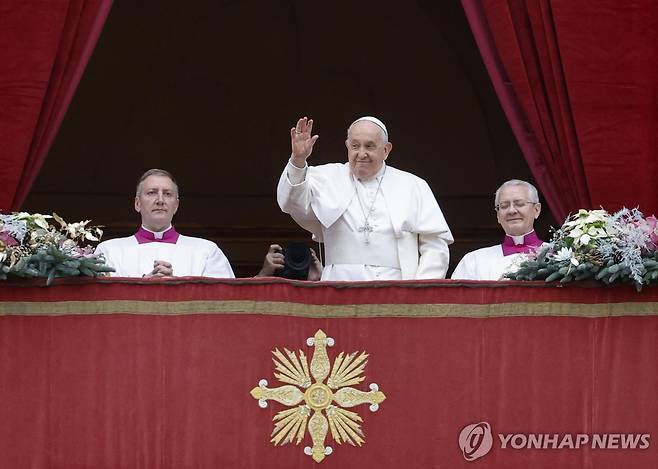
519	239
376	178
157	234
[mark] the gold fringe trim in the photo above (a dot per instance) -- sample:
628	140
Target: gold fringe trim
175	308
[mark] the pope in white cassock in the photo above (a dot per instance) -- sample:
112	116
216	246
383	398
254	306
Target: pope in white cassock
157	250
517	207
376	222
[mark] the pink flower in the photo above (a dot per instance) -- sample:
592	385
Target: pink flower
649	226
8	239
652	223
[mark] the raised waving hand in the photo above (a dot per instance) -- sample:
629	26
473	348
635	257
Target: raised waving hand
302	141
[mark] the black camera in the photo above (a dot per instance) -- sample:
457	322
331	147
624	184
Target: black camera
297	262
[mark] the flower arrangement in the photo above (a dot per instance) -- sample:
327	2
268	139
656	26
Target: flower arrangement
32	246
594	244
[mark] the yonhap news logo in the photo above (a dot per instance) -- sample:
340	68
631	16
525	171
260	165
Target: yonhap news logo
476	440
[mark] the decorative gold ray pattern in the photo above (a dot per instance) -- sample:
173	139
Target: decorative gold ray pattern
347	371
291	369
344	425
289	423
324	401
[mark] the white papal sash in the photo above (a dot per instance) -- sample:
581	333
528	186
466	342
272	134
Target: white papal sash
344	246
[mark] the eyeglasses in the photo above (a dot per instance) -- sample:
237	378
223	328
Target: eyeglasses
518	204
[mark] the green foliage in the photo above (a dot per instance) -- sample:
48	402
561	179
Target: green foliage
52	263
31	247
564	271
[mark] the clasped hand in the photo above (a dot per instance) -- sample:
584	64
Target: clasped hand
161	269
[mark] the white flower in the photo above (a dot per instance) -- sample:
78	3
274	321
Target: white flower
36	218
596	232
515	265
75	229
563	254
90	236
68	244
595	215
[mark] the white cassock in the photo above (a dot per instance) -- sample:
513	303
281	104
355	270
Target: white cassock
405	237
188	257
486	264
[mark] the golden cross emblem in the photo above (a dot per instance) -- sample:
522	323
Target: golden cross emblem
325	401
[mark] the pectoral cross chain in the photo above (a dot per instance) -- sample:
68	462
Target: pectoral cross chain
366	229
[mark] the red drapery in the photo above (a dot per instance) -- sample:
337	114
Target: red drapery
157	374
578	82
44	48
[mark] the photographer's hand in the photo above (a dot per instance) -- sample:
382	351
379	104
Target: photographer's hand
274	261
315	270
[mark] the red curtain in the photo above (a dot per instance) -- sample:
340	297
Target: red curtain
44	48
578	80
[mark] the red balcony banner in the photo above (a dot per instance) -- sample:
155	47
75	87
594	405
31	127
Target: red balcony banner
181	374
